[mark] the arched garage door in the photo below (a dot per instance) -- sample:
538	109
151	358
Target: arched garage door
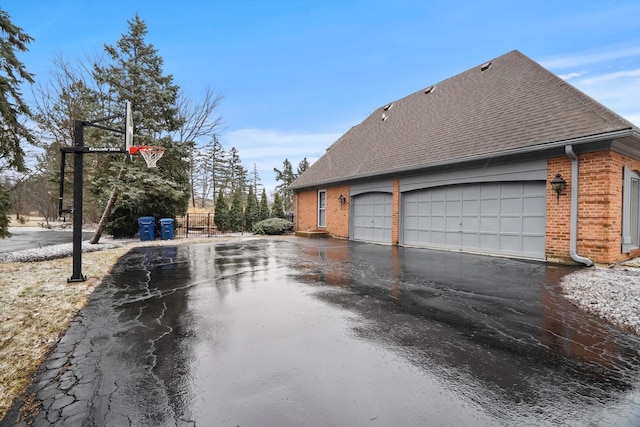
371	217
505	218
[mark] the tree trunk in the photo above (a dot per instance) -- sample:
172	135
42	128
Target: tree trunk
107	211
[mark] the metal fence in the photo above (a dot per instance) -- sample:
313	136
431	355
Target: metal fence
202	225
195	224
198	225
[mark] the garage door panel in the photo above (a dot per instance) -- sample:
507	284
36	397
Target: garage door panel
453	239
437	237
471	192
424	222
437	223
490	191
489	206
511	206
470	223
489	224
438	207
510	244
470	206
470	240
532	225
533	244
498	218
534	205
511	225
453	207
489	242
453	223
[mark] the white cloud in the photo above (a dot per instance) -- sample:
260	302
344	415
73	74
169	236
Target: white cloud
611	76
579	59
570	76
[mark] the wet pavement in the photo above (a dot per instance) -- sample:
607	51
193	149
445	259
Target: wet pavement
290	332
23	238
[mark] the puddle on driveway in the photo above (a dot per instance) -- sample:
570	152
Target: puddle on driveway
324	332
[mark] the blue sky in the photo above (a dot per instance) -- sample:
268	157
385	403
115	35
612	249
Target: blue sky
295	75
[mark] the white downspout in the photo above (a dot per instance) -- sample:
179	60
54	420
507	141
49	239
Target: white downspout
573	236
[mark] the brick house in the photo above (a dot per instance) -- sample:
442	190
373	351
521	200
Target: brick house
467	165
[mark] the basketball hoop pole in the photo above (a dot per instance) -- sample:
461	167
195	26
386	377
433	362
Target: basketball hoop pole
78	170
78	150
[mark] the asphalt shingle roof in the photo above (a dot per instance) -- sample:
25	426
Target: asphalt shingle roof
513	104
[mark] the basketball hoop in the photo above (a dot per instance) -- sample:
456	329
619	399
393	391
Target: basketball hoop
150	153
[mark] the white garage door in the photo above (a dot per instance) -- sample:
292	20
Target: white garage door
371	214
506	218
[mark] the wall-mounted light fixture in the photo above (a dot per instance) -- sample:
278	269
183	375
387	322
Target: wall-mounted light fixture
341	199
558	185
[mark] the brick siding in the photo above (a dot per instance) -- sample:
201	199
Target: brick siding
599	207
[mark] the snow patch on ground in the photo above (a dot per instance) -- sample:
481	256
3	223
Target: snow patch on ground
611	293
51	252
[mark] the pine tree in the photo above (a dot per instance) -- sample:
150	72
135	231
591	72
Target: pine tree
251	211
254	179
302	166
264	206
286	177
276	209
238	173
12	107
134	73
236	214
221	213
218	165
12	74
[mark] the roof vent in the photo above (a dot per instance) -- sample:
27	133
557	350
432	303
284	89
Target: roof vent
485	66
384	117
429	90
388	107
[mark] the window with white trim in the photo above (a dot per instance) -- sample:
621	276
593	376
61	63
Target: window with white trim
322	208
630	211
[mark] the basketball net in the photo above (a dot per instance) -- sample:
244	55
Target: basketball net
150	154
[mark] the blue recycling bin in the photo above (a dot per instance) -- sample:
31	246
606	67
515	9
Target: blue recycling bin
146	227
166	228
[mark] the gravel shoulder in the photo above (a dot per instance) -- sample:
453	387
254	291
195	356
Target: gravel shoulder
611	293
37	304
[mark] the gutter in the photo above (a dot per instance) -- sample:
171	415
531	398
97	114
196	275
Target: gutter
573	236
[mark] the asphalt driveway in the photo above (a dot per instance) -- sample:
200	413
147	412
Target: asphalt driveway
290	332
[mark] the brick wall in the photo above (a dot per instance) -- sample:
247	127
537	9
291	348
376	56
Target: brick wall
558	210
599	207
395	212
337	215
305	208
